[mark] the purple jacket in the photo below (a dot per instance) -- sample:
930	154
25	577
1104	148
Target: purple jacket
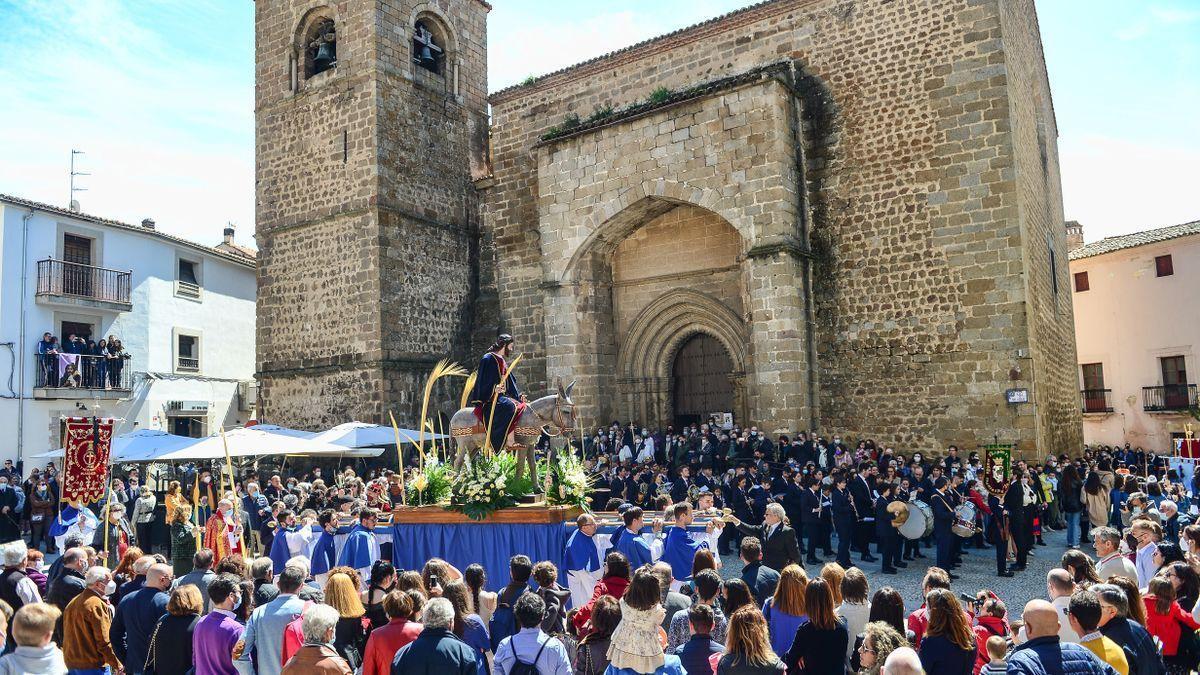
212	643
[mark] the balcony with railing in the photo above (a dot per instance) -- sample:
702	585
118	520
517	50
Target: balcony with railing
81	376
67	283
1169	398
1096	401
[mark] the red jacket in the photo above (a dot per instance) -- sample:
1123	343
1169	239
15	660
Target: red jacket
614	586
1165	627
384	642
986	627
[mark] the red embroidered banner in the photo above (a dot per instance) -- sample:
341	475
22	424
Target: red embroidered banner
85	459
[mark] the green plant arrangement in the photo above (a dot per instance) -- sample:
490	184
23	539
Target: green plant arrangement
659	95
570	483
431	484
484	486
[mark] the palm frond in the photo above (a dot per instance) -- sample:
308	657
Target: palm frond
444	368
466	395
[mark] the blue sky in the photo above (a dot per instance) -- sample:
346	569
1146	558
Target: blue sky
159	93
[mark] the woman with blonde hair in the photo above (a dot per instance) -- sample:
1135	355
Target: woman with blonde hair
748	646
948	646
833	574
879	640
820	644
350	632
785	611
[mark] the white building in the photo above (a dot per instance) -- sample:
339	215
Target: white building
1137	327
184	313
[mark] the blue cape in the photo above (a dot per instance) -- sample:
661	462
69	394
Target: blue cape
324	554
280	553
581	553
357	551
66	518
679	551
635	549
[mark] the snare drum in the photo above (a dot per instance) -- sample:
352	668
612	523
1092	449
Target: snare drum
920	521
964	520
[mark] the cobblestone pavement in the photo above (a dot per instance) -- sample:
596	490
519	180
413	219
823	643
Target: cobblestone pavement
978	571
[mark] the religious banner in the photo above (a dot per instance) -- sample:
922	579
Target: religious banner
997	467
85	459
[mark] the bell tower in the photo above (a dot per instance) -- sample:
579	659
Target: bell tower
370	124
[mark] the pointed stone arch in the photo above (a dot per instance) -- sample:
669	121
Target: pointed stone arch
646	355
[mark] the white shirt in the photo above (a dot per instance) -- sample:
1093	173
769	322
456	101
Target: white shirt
1065	632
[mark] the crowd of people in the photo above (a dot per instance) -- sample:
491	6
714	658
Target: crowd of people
250	580
99	363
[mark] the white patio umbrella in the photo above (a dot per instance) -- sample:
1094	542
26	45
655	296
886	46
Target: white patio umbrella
143	445
251	442
283	431
361	439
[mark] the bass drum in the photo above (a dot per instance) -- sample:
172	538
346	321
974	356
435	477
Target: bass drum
920	521
964	520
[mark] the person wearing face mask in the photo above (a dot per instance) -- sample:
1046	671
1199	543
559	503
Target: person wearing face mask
118	538
41	512
223	532
215	635
86	624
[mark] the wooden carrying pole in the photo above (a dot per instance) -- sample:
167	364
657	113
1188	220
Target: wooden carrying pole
400	459
107	485
233	490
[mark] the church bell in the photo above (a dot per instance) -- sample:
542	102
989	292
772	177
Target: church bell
326	56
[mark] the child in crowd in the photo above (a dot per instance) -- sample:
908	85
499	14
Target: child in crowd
997	649
32	629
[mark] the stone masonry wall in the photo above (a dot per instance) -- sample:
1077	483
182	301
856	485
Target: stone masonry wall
686	246
1049	310
367	222
924	256
731	154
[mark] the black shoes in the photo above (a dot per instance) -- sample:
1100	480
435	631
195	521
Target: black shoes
1005	573
887	570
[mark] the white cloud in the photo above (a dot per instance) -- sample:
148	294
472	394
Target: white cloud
1116	186
1175	15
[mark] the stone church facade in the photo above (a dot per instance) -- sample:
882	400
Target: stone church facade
812	214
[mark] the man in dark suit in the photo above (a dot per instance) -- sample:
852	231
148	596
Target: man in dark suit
943	520
760	578
862	491
889	537
1019	503
810	517
844	518
778	541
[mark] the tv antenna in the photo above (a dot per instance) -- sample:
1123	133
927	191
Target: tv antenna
73	203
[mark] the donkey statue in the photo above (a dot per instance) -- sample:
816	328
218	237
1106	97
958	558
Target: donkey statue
554	413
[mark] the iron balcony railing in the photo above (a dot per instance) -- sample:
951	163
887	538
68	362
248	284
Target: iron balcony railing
1096	400
1169	397
188	365
59	277
82	371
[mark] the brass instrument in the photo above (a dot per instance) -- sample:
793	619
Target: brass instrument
899	511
